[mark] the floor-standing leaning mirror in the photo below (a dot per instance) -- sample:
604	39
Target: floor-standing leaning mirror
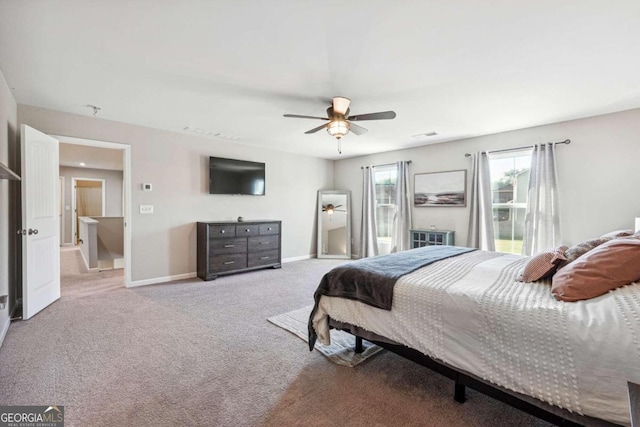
334	224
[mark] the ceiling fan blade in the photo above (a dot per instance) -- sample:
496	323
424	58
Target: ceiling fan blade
314	130
297	116
358	130
341	104
384	115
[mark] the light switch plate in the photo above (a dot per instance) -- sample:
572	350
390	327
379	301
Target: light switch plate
146	209
147	187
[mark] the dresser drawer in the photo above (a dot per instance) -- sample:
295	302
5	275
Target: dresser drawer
227	262
247	230
263	258
263	243
227	246
269	228
218	231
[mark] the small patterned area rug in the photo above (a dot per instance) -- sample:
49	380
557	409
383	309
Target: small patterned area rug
341	351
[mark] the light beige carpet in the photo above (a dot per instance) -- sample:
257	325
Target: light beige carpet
341	351
194	353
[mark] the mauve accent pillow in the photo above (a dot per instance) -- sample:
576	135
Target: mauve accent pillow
543	265
611	265
576	251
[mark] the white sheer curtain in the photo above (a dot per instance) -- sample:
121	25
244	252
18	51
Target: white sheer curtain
402	216
481	216
542	220
368	229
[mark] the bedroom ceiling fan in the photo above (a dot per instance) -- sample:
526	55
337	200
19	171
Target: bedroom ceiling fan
339	122
330	209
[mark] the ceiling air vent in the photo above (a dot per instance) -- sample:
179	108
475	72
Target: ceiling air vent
426	134
205	132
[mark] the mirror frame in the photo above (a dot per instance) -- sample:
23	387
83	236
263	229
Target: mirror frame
319	253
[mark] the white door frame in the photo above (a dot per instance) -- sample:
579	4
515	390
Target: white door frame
74	202
126	179
62	181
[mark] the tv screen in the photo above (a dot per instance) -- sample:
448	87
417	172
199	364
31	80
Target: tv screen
229	176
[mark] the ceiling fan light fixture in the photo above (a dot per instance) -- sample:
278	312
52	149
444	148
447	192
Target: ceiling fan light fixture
341	104
338	128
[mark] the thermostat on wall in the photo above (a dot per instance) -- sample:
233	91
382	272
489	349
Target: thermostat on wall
146	187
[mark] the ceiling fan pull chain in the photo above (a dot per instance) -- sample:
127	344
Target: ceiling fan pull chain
340	146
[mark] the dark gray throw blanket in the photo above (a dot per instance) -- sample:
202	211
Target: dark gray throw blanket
371	280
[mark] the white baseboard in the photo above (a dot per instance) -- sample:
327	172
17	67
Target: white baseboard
298	258
156	280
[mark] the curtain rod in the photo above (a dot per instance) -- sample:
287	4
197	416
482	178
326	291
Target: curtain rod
386	164
566	141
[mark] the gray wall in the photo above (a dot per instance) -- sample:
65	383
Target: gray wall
598	173
113	193
164	243
9	244
110	231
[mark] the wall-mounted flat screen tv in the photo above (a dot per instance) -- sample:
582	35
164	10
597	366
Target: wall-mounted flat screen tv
230	176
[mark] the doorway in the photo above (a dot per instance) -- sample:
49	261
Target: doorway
61	187
88	197
105	199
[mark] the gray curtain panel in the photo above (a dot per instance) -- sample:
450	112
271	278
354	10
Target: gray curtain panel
542	220
368	229
481	234
402	216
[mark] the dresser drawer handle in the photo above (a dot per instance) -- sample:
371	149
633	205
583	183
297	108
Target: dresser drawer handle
229	246
247	230
229	262
269	228
265	257
263	243
222	231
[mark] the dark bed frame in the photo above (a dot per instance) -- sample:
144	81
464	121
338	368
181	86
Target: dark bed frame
463	379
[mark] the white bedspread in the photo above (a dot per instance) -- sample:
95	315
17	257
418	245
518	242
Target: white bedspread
470	312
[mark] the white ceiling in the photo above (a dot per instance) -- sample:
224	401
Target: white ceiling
82	156
459	68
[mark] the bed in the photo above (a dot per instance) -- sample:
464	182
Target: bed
469	318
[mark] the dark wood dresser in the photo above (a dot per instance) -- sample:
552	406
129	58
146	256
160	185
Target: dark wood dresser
234	247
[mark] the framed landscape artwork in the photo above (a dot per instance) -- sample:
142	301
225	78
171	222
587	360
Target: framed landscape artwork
440	189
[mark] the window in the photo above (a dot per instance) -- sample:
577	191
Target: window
385	179
509	189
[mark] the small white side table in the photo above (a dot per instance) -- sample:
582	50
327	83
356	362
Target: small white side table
634	404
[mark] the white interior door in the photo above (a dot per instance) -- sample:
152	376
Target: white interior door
40	229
